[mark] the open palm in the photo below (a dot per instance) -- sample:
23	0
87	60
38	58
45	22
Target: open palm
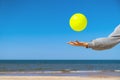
77	43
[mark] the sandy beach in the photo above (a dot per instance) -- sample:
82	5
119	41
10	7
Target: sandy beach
57	78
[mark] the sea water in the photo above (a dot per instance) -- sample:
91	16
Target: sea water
60	67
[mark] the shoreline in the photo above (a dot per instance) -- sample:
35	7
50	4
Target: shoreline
61	73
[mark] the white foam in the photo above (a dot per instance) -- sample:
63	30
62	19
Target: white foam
86	71
117	70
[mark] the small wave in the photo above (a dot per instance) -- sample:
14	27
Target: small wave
85	71
56	72
117	70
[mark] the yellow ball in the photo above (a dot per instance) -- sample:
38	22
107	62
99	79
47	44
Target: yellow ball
78	22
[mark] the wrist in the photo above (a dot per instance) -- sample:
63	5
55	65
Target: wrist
86	45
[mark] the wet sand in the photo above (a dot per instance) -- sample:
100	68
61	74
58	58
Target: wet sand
58	78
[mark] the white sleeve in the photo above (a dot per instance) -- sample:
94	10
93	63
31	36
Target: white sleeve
106	43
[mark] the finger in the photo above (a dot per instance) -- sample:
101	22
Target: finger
72	44
77	42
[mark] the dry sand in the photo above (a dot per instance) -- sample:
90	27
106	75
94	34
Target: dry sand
57	78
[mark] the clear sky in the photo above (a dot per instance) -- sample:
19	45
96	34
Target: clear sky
39	29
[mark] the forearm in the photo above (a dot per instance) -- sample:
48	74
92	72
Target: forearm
104	43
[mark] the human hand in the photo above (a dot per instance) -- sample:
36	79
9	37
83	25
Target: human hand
77	43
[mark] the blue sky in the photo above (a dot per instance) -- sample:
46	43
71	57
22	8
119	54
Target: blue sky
39	29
